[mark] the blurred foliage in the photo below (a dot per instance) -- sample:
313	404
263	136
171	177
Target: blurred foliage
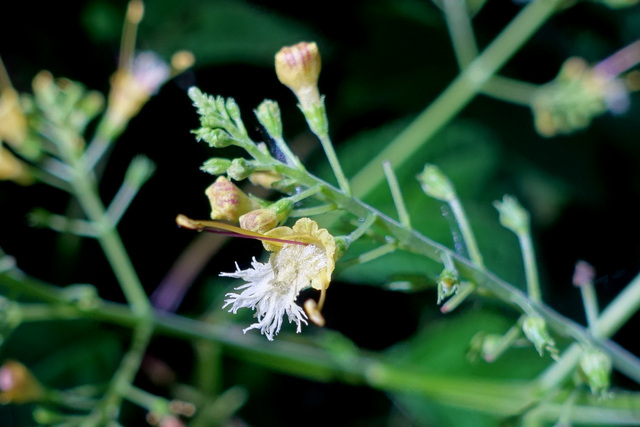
384	61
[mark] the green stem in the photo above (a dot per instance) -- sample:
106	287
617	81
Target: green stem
510	90
467	233
459	93
396	194
327	145
110	242
461	31
121	382
530	266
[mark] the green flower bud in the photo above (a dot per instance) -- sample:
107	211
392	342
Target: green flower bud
447	284
596	366
268	114
535	329
512	215
216	138
240	169
435	184
216	166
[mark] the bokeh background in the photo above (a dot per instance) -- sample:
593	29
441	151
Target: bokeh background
383	62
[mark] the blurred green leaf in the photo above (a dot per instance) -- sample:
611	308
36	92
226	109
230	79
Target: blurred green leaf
219	31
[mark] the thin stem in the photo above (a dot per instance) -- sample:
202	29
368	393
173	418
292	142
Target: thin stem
396	193
461	31
376	253
327	145
124	376
135	10
288	154
120	203
510	90
467	233
530	266
464	290
315	210
590	302
305	194
362	228
459	93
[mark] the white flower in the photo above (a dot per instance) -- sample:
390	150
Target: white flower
272	287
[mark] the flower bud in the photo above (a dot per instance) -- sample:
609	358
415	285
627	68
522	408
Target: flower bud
131	87
596	366
512	215
435	184
268	114
298	68
265	178
18	385
11	168
263	220
447	284
228	202
216	138
216	166
182	60
240	169
13	123
535	329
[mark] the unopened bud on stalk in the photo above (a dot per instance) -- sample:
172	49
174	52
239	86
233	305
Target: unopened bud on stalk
228	202
512	215
216	166
268	114
263	220
298	68
535	329
596	366
240	169
18	385
447	284
435	184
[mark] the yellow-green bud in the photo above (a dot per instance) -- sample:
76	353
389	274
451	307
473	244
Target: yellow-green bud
512	215
240	169
263	220
597	368
535	329
435	184
228	202
268	114
216	166
298	68
447	284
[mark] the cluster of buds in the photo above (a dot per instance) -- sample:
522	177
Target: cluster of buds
577	95
139	76
229	203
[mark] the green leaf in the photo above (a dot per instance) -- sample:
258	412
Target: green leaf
219	31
